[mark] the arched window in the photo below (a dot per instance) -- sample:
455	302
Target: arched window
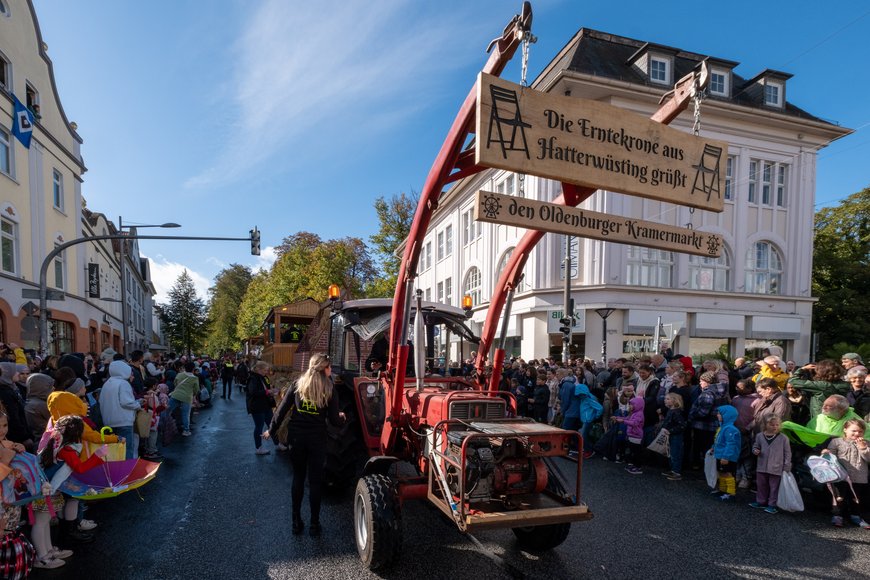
650	267
472	286
710	273
523	286
763	269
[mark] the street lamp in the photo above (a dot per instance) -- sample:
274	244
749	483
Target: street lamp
604	313
123	270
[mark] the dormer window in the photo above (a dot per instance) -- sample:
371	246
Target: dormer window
32	100
773	94
659	70
719	83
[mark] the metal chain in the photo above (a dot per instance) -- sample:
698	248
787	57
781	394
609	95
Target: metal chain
697	97
528	39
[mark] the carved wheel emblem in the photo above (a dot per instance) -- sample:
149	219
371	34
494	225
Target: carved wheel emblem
712	245
491	207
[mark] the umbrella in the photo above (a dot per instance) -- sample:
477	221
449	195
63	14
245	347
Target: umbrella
110	479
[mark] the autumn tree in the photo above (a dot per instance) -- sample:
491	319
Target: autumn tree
841	272
184	317
225	298
305	268
394	218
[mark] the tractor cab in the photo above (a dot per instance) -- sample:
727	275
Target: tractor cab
358	349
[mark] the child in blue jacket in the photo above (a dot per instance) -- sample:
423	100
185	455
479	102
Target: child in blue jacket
726	450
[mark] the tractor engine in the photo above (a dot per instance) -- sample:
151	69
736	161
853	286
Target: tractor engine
495	467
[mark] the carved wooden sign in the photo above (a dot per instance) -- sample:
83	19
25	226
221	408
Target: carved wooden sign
508	210
597	145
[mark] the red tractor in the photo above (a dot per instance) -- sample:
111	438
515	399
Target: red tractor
453	441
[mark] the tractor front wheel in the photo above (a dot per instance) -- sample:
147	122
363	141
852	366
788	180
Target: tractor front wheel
377	521
542	538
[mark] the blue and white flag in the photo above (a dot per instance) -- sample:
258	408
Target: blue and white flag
22	124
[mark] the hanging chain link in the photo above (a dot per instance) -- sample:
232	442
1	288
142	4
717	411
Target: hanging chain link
528	39
697	97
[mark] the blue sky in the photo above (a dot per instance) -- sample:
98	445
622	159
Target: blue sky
225	114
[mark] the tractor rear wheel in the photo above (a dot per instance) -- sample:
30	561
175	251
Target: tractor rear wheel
377	521
542	538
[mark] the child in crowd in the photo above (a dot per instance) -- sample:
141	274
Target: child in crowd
634	434
726	450
774	457
853	453
675	424
743	401
702	417
59	459
153	404
542	399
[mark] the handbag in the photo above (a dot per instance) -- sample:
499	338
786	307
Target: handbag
710	469
142	423
789	498
662	443
117	451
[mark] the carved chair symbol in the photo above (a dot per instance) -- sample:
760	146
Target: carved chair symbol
506	112
708	172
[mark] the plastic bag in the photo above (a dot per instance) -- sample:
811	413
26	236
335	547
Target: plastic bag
789	498
661	444
710	469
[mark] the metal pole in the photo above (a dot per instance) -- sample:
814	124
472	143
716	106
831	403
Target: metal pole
604	342
566	338
123	269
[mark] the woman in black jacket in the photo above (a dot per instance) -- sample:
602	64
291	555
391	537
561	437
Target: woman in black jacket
259	401
310	402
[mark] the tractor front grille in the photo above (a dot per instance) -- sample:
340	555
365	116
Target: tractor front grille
477	410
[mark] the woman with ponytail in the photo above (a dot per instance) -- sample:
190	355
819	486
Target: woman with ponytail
310	402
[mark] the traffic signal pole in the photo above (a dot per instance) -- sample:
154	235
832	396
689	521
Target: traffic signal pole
568	312
43	271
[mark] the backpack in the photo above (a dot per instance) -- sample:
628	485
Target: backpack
24	484
826	469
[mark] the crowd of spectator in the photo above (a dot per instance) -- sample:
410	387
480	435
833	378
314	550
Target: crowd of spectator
756	419
68	413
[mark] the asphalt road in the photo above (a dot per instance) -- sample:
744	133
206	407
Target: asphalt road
218	511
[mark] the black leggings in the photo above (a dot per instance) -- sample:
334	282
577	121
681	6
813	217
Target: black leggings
307	455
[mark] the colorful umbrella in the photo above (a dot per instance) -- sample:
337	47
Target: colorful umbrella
110	479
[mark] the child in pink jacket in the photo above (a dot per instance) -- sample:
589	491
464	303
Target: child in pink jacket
634	433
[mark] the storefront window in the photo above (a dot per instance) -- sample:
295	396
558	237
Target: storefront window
63	337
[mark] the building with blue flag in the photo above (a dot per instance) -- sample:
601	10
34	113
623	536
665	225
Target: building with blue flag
22	123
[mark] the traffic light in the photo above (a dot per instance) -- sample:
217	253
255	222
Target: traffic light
255	242
566	326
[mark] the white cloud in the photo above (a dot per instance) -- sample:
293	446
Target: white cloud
306	68
266	258
217	262
165	273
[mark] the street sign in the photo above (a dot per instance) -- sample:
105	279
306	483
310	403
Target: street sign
549	217
29	308
51	294
594	144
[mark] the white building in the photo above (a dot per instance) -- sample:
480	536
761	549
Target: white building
42	206
757	293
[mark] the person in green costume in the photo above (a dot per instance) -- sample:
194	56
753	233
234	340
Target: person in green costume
829	423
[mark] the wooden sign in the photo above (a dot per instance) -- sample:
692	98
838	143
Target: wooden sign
596	145
549	217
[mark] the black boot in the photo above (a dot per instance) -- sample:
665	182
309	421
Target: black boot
298	525
314	530
69	530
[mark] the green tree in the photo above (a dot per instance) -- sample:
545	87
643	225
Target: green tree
225	298
255	305
394	217
841	276
305	268
184	317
